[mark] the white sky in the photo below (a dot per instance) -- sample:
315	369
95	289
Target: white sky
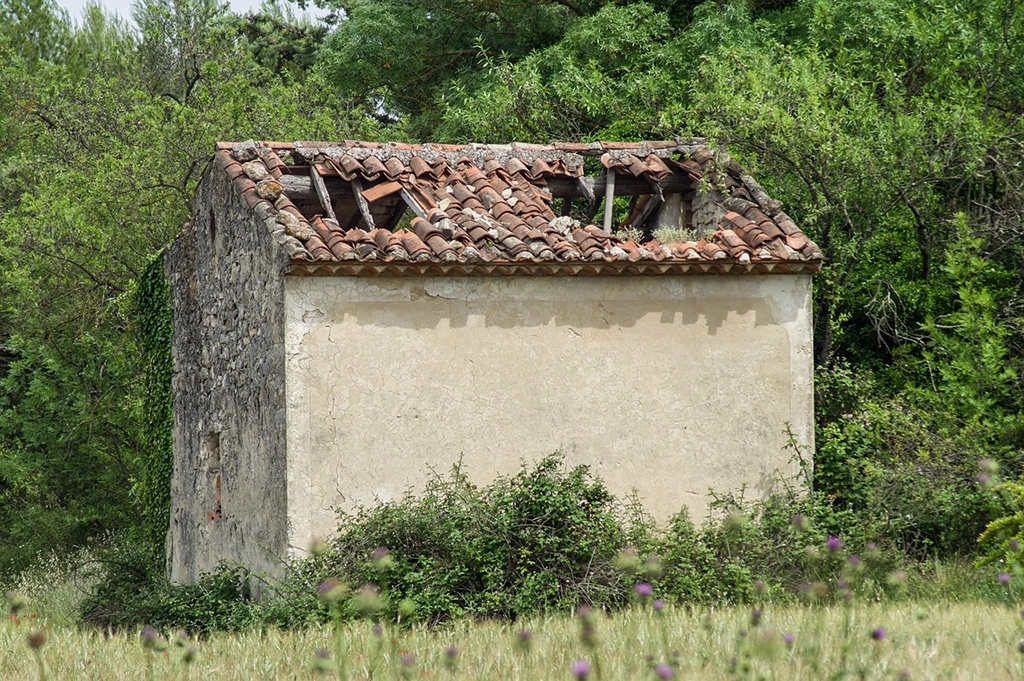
124	7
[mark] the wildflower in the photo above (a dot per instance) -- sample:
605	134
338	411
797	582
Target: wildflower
1014	545
854	560
734	522
16	603
627	560
149	637
189	656
760	588
524	641
451	656
663	671
381	559
367	601
321	661
800	523
581	668
755	616
788	638
987	469
331	591
378	630
833	543
1003	577
1020	646
406	607
878	633
644	590
588	627
811	553
658	604
652	568
36	639
897	579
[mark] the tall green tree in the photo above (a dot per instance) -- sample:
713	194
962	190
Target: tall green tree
106	136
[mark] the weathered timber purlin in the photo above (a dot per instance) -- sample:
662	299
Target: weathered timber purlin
321	191
609	199
300	187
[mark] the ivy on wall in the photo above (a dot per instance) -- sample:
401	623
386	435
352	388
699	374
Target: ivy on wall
155	324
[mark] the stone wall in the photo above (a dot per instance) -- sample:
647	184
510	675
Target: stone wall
228	487
666	385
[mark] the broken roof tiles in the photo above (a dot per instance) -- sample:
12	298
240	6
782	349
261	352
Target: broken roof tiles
490	209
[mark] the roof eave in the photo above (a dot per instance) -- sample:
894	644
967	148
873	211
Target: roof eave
355	268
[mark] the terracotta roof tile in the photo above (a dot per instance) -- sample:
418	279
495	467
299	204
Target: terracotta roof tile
491	208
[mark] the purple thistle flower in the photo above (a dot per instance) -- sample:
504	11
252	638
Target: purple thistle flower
878	634
755	616
658	604
1003	577
408	660
1014	545
643	589
580	668
524	640
833	543
663	671
853	559
788	638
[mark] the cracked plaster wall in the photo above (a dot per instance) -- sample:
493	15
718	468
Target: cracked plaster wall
227	487
666	385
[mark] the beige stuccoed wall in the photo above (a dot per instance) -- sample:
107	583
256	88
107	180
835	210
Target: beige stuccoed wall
666	385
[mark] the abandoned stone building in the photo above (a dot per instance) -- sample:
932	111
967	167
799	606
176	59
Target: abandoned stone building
350	317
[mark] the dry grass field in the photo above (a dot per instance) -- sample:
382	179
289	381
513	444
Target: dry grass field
920	641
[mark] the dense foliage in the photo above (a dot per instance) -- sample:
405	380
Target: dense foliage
547	539
891	130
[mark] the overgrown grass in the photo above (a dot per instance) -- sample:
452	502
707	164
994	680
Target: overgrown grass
925	640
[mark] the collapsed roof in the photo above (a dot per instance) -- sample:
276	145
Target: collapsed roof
667	207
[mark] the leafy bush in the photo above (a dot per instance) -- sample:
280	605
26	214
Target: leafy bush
543	539
551	538
129	593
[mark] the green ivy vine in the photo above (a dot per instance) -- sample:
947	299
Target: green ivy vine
155	324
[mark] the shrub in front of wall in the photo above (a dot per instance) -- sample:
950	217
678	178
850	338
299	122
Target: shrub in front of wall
542	539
